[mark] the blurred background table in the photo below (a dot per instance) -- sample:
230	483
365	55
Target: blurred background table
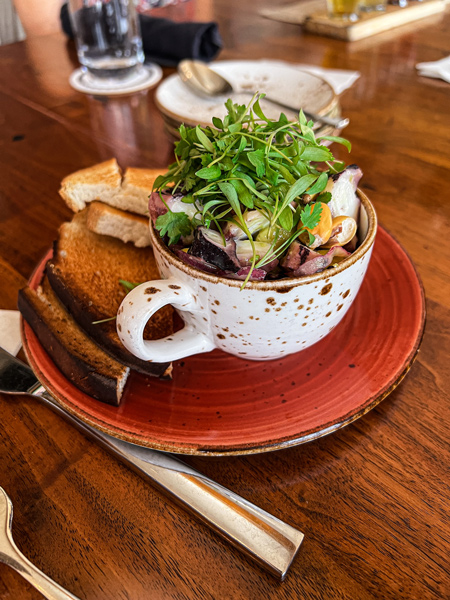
372	499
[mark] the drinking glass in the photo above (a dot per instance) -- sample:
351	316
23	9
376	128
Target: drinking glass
347	10
372	5
108	37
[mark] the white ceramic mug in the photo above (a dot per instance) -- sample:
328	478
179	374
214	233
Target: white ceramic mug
265	320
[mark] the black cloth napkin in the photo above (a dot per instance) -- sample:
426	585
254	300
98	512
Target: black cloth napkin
166	42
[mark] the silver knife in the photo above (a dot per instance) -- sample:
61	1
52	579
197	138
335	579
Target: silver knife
260	535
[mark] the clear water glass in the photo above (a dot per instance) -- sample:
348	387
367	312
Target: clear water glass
108	37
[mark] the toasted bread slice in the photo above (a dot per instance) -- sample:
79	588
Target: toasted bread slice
104	182
84	273
86	365
137	186
100	181
128	227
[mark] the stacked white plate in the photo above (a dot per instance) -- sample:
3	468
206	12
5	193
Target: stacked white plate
290	85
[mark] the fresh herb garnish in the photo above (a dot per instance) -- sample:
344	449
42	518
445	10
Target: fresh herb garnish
174	224
248	161
103	321
128	285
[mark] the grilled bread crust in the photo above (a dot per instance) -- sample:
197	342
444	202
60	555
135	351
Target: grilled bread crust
84	273
80	360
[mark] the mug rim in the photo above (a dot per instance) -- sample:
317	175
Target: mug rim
287	283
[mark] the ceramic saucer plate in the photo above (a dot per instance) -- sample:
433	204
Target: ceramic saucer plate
277	80
147	76
218	404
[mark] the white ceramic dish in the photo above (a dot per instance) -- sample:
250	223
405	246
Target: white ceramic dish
278	80
263	321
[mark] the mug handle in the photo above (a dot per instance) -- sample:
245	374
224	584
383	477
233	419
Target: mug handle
141	303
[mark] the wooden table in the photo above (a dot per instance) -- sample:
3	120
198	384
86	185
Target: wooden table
373	499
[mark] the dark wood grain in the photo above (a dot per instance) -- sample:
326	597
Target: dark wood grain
372	499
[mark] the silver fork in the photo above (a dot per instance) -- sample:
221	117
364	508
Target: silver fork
13	557
259	534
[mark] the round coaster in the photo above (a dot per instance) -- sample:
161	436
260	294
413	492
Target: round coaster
147	76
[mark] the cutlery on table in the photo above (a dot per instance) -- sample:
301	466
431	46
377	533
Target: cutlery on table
206	82
13	557
260	535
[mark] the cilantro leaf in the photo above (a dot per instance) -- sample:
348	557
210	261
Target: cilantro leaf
174	225
310	218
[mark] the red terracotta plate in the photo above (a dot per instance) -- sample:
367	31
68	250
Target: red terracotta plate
218	404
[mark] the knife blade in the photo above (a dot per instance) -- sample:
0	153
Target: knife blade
261	536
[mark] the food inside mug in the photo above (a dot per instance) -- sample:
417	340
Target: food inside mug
257	199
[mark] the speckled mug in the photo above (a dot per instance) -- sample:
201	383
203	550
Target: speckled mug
264	321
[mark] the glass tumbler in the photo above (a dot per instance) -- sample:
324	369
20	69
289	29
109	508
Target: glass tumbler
107	36
347	10
373	5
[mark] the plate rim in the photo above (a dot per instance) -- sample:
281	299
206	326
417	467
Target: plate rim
235	450
166	111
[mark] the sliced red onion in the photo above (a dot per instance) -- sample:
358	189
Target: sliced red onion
257	274
156	206
301	260
351	246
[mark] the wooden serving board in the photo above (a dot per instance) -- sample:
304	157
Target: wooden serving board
371	23
312	15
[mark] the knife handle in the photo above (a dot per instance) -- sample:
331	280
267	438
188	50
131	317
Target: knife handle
259	534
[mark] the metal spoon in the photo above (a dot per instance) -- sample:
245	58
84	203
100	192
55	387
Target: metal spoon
13	557
206	82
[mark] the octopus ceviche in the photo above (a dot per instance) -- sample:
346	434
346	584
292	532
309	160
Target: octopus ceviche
257	199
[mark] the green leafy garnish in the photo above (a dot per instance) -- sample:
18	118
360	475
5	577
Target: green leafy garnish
247	161
104	321
310	215
128	285
173	224
325	197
